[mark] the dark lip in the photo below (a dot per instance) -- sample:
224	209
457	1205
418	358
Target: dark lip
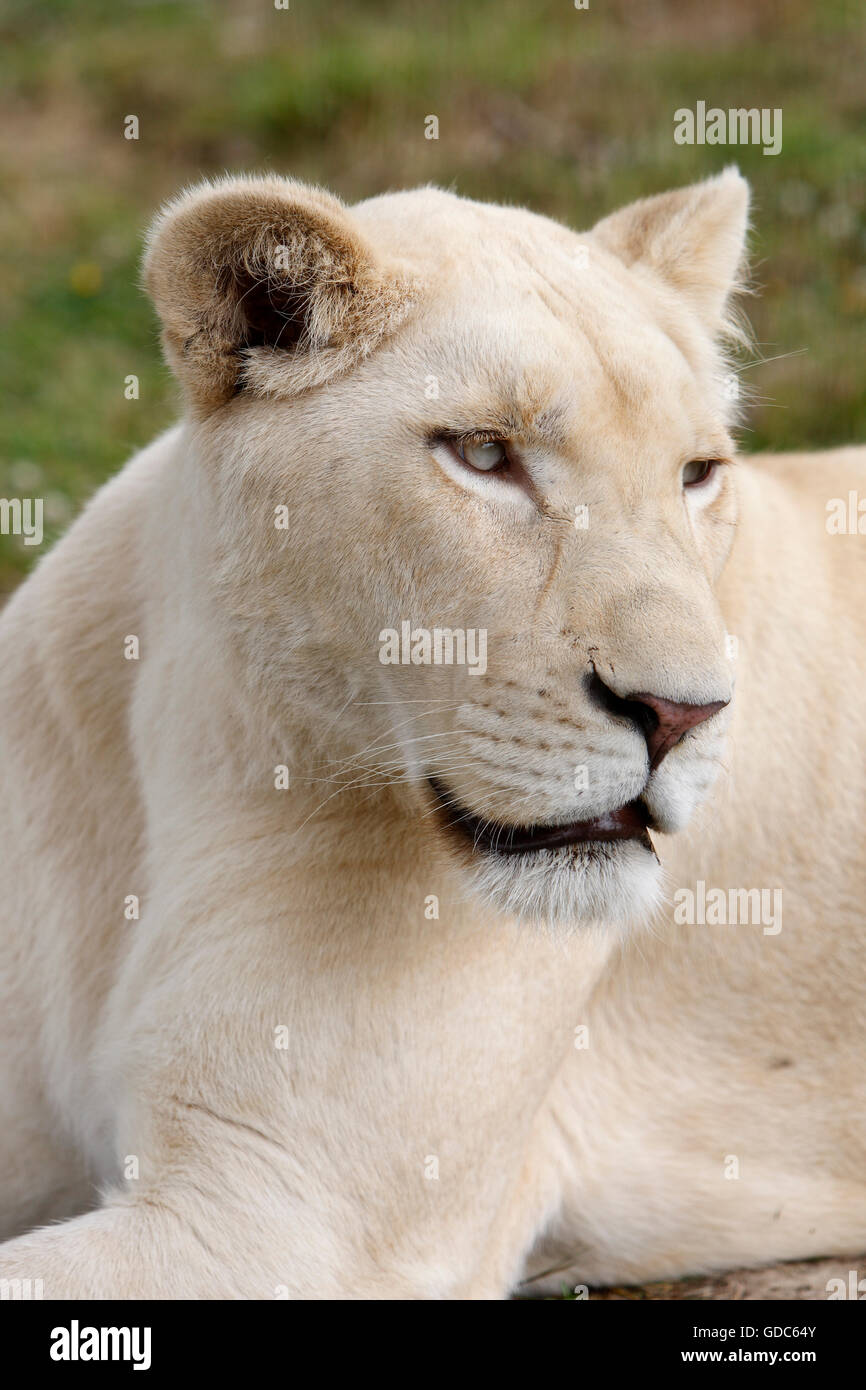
629	822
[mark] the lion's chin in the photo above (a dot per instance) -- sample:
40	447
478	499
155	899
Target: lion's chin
571	872
616	884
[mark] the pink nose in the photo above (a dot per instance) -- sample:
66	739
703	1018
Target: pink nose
665	721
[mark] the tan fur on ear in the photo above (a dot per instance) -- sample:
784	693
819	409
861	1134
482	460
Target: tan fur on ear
692	238
267	284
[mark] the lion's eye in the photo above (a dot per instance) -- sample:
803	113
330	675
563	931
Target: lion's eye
486	456
699	471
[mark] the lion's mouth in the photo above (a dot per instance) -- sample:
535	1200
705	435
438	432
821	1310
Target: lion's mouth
629	822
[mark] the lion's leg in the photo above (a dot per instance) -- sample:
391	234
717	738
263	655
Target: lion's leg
136	1250
232	1213
329	1107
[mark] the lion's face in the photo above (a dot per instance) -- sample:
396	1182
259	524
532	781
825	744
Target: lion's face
506	515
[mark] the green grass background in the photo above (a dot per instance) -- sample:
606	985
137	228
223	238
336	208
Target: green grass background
568	111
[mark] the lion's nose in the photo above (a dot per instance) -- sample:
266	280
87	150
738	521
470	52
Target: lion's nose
663	721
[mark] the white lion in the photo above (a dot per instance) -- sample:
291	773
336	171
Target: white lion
333	973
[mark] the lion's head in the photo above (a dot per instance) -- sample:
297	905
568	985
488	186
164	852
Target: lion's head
469	489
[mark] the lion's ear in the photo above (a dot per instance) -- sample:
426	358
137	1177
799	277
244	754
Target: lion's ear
267	285
693	239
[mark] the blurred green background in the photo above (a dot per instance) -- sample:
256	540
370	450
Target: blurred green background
569	111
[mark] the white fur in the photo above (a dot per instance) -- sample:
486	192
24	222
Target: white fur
430	1129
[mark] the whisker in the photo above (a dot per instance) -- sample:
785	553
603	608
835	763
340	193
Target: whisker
375	745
